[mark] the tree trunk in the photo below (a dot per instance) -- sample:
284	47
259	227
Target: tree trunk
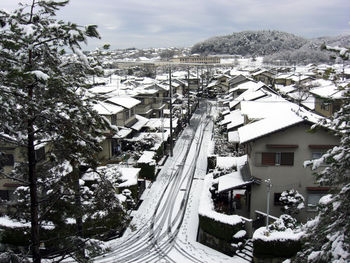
79	219
33	195
78	207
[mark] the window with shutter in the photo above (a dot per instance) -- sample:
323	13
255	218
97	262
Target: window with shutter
268	158
277	158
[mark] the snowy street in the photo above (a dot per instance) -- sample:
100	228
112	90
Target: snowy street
164	228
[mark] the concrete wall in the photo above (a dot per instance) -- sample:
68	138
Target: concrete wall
285	177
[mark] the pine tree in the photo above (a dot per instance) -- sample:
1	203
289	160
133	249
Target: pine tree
44	100
327	236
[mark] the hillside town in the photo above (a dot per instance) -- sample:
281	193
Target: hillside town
167	155
260	143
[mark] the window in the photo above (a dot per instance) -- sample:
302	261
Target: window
316	155
114	119
126	114
276	199
6	194
40	154
312	199
277	158
325	106
6	160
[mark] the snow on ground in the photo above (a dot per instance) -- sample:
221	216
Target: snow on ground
185	248
206	207
186	240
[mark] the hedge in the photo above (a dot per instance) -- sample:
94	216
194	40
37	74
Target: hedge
218	229
276	248
147	171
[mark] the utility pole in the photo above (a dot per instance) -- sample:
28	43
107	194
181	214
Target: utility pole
171	113
189	101
268	185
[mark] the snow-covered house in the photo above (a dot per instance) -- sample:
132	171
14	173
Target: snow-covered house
237	80
219	84
250	91
11	155
111	146
328	97
153	100
264	75
277	147
283	79
127	117
233	120
179	86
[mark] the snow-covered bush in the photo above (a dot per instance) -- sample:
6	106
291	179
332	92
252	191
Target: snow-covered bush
292	202
282	223
279	240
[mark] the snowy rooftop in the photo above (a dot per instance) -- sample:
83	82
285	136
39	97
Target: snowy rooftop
266	107
161	122
230	161
234	179
105	108
141	122
233	137
114	172
285	89
231	181
326	89
206	206
122	133
268	125
129	176
253	92
126	102
233	116
147	157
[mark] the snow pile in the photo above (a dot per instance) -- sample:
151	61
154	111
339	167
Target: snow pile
40	75
266	235
227	162
117	175
147	157
283	229
206	206
7	222
128	176
240	234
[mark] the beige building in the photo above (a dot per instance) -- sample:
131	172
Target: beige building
278	153
13	154
197	60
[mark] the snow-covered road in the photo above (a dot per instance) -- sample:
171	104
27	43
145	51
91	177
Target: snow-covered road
164	228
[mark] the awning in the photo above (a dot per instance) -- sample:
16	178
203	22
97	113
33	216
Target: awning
141	122
231	181
122	133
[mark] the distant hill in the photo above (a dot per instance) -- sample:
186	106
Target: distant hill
272	44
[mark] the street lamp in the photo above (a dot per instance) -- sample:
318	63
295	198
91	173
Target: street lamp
268	185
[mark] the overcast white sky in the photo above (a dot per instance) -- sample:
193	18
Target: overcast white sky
182	23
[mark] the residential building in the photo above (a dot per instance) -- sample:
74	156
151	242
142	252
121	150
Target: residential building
328	97
277	149
197	60
264	76
12	154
